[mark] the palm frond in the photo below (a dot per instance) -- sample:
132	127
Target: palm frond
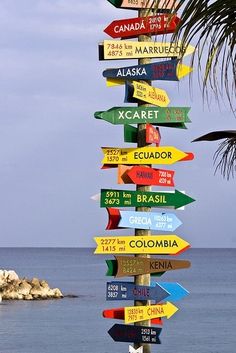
213	25
226	154
216	135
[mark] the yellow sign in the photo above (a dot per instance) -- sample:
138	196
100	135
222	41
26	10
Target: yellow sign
149	94
142	155
125	49
141	313
154	244
181	71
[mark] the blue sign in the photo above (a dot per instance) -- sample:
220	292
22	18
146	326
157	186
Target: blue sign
167	222
164	70
176	291
130	291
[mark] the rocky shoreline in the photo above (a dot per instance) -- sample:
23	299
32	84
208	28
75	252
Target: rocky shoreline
14	288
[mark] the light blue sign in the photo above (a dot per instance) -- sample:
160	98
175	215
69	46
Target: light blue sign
167	222
176	291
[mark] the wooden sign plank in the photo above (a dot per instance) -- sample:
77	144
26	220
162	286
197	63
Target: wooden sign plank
145	4
133	27
119	314
131	291
130	198
140	313
126	266
117	50
154	244
136	92
136	334
169	70
142	220
145	176
142	155
143	115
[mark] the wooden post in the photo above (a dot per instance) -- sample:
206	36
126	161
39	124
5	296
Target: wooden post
141	142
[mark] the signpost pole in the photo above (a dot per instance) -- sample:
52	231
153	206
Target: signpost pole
141	142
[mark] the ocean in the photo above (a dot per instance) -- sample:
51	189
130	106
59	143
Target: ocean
204	323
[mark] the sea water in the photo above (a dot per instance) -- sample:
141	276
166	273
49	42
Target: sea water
204	323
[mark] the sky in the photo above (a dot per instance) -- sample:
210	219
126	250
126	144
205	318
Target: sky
51	84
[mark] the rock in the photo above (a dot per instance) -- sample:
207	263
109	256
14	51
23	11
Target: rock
24	288
35	282
14	288
28	297
57	293
12	276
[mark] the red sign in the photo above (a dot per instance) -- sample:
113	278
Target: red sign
153	134
132	27
119	313
150	176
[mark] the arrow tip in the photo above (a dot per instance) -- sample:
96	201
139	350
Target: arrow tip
171	309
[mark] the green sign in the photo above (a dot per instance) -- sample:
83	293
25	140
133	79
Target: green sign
127	198
142	115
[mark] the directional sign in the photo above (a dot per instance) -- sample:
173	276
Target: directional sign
136	334
133	27
137	91
143	115
125	49
141	313
153	134
154	244
145	4
116	270
170	70
133	350
130	198
142	155
130	291
176	291
126	266
145	176
130	133
119	314
161	221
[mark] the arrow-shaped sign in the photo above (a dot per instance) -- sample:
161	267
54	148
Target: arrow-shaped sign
154	244
152	134
131	291
116	270
136	91
142	155
119	314
126	266
128	198
125	49
141	313
170	70
133	350
133	27
145	176
176	291
143	115
142	220
145	4
136	334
